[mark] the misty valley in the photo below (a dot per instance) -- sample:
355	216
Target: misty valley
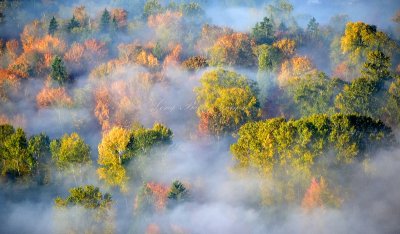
199	116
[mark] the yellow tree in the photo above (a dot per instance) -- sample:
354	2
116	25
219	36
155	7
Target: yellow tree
235	49
114	150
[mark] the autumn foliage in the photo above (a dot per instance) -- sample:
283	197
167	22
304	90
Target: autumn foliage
50	97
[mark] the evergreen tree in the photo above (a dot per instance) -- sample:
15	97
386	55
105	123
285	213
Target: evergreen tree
53	26
105	21
178	192
114	24
313	28
58	71
263	31
73	23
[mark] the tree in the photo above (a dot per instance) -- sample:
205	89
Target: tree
87	196
295	69
105	21
151	7
318	196
366	95
81	16
195	63
287	47
233	50
119	19
72	24
17	160
226	101
144	139
58	71
360	38
39	146
178	192
377	65
95	216
292	152
315	94
152	197
53	97
391	112
119	146
313	28
115	150
53	26
263	32
70	153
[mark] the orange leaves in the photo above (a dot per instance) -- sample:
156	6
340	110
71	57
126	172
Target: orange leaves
48	97
81	15
81	56
38	55
135	53
164	19
120	16
204	123
233	49
153	229
312	199
160	193
9	83
301	65
48	44
146	59
174	57
75	53
318	195
31	33
21	66
286	46
97	48
294	69
102	108
209	34
12	47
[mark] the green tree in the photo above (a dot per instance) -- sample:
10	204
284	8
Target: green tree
59	71
39	146
95	211
226	101
313	28
53	26
391	113
178	192
152	7
119	146
72	24
263	32
105	21
269	59
315	94
144	139
71	154
87	196
377	65
292	152
16	159
368	94
359	39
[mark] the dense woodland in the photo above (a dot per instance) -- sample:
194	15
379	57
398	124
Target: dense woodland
150	116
